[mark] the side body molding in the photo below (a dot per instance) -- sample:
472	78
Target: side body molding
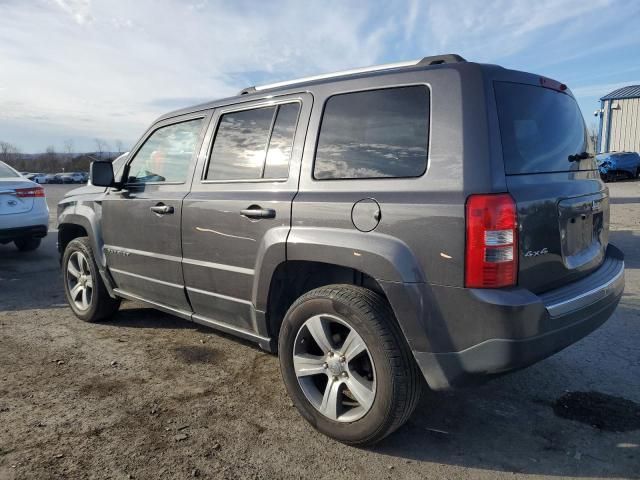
380	256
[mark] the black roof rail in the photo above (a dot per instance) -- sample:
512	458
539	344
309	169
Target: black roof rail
247	91
440	59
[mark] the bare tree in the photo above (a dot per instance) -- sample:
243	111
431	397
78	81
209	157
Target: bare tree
119	146
68	147
101	146
8	152
49	159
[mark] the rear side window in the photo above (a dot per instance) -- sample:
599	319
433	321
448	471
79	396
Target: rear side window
374	134
540	129
166	154
254	144
7	171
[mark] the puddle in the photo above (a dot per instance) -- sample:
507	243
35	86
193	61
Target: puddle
605	412
196	354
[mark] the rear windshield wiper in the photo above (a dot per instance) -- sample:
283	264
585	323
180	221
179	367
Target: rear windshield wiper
579	156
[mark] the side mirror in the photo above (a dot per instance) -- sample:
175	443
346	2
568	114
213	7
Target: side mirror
101	174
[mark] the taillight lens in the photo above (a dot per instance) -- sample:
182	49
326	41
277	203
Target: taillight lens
30	192
491	259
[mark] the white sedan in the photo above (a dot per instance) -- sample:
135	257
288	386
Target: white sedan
24	215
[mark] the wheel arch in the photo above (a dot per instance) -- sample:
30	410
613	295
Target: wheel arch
317	257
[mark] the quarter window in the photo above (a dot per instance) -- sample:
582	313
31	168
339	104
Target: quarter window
167	153
254	144
374	134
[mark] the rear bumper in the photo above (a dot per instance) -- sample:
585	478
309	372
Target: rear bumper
10	234
526	327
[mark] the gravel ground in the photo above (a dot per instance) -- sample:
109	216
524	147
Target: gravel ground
150	396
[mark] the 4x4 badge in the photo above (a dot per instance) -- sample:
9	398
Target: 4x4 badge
536	253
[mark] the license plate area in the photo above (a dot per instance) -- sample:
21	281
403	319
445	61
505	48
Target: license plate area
582	229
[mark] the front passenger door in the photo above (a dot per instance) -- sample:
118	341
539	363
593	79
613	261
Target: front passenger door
141	223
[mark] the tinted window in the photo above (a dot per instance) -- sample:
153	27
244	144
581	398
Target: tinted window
540	129
281	143
373	134
249	145
240	145
167	153
7	171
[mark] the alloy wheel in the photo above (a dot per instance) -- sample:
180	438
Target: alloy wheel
334	368
79	280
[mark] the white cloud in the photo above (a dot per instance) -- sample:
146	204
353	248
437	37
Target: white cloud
78	9
107	68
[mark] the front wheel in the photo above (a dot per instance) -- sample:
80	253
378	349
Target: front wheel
83	285
346	364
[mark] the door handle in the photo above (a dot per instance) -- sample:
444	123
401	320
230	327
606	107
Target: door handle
162	209
255	211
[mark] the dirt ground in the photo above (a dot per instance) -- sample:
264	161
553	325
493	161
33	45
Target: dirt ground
150	396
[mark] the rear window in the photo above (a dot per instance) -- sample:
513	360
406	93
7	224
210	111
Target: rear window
540	129
374	134
7	171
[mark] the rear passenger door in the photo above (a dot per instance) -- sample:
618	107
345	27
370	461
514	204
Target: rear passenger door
240	206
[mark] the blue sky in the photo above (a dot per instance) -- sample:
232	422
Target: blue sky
86	69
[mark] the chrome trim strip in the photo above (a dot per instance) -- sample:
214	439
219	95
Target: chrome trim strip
218	266
218	295
148	279
353	71
199	263
587	298
142	253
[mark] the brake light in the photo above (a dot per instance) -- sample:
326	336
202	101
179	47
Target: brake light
29	192
491	258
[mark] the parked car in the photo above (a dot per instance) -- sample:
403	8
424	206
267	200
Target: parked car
38	177
65	177
436	219
78	177
619	164
24	215
52	178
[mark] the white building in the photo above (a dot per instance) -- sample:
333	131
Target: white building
619	113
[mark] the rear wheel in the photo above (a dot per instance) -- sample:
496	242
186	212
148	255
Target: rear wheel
27	244
83	285
346	365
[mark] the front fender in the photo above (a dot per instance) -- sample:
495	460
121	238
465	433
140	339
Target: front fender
87	215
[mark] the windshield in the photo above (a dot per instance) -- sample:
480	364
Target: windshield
7	171
542	130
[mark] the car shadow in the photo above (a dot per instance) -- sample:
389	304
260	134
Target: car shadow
629	242
500	427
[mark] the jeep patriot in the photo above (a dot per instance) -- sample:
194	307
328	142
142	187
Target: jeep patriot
436	222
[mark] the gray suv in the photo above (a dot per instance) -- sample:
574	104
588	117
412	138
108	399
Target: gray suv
435	220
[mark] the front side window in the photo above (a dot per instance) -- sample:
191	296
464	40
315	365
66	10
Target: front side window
167	153
254	144
374	134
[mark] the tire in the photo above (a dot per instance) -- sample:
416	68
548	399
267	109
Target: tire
27	244
83	286
386	366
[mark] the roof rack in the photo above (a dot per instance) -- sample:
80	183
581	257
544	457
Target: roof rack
426	61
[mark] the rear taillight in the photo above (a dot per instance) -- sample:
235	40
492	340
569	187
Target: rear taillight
491	259
30	192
